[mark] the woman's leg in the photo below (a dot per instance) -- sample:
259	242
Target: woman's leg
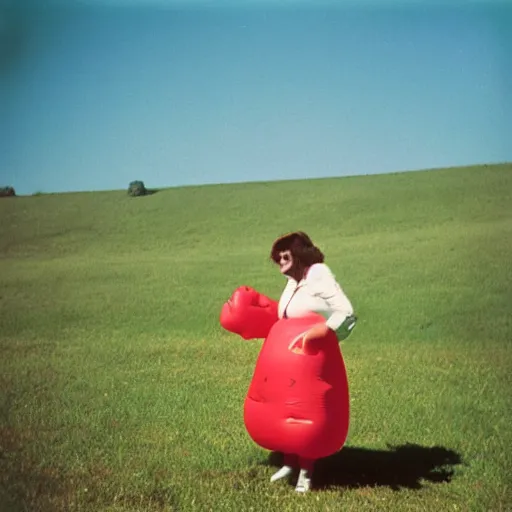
289	460
305	475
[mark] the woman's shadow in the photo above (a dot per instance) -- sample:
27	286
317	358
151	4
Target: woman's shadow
404	466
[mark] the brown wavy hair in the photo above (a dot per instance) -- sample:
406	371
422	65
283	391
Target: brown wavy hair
300	245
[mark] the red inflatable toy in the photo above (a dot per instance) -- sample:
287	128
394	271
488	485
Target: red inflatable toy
297	402
249	313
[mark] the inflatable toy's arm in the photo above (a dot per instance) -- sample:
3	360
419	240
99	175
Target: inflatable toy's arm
249	313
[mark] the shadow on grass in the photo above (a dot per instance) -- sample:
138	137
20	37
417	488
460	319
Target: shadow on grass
399	467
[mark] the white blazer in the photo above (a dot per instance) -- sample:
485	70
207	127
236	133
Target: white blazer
318	292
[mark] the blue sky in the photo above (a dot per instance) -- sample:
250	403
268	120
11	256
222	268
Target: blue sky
96	94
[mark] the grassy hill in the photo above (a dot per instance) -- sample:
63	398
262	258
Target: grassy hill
120	391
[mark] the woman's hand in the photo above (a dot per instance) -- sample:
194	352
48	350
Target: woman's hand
317	331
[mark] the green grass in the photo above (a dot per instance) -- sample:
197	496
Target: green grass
120	392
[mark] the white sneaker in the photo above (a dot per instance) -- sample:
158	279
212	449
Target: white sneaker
303	483
283	472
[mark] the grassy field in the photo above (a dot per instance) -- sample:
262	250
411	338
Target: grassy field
120	391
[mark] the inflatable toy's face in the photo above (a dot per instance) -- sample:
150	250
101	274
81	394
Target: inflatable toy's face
249	313
245	297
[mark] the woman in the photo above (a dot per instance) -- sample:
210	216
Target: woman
311	287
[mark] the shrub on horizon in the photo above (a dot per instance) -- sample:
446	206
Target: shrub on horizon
7	192
137	188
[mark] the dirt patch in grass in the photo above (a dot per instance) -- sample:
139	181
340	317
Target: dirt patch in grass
24	484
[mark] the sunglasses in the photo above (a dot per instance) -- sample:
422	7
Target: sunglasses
284	256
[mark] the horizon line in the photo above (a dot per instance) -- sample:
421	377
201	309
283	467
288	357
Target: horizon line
267	181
